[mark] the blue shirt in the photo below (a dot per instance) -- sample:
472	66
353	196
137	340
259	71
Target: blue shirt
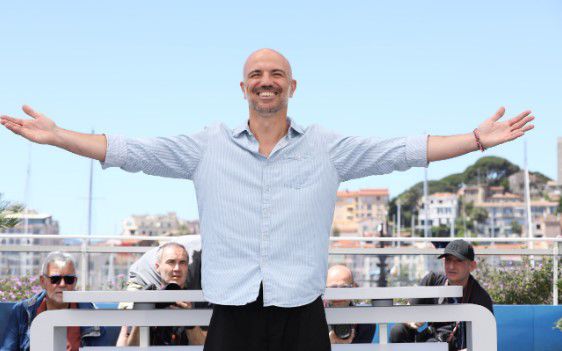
265	219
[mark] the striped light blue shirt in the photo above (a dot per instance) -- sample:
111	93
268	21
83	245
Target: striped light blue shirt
265	219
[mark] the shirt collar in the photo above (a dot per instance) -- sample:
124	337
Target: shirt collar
294	129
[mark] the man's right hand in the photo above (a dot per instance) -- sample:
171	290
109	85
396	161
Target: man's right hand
40	129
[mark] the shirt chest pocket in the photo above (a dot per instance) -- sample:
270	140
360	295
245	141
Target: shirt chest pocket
297	171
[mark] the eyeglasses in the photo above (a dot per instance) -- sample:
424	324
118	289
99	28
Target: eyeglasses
56	279
341	286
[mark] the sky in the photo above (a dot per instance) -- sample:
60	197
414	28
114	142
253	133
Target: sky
384	69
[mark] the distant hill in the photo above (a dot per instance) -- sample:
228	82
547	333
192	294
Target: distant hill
490	170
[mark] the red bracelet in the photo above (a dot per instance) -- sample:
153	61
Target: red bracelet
478	142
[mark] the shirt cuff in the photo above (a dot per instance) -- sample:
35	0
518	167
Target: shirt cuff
116	152
416	151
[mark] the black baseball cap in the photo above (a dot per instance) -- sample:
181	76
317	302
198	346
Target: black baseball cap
460	249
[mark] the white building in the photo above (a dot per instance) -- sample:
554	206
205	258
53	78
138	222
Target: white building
26	263
442	210
158	225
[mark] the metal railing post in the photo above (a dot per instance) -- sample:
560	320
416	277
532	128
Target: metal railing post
83	264
555	253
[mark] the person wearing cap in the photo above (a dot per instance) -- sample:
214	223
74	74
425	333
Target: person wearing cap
458	264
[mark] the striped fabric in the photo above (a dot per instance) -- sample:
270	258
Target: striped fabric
265	219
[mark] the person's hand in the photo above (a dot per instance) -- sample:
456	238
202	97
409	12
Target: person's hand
40	129
414	325
181	305
196	336
494	132
335	340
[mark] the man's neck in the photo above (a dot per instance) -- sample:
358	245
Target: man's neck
268	130
462	283
51	305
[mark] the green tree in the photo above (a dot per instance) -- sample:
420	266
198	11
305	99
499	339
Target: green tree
5	208
516	228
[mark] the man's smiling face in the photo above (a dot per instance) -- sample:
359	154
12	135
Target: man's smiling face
268	82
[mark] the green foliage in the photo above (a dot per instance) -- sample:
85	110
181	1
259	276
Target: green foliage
4	208
520	284
560	205
441	231
489	170
16	289
516	227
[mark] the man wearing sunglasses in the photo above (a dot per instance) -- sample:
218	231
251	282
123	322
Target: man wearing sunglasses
58	274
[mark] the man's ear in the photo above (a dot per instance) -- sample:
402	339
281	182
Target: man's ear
473	265
293	87
42	282
243	87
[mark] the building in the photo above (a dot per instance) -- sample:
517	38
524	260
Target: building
508	213
158	225
26	263
442	210
360	212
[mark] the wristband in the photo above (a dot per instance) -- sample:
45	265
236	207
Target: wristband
478	142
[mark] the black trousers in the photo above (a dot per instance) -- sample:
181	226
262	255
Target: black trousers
253	327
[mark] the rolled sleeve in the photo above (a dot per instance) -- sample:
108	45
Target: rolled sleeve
416	151
116	152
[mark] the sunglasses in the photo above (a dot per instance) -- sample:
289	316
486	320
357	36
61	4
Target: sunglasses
56	279
341	286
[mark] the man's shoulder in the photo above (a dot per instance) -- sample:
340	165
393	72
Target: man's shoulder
480	296
434	279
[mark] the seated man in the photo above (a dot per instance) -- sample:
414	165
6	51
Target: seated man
58	275
171	266
341	277
143	273
458	263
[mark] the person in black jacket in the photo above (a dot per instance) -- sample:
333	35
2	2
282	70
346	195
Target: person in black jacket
458	263
339	276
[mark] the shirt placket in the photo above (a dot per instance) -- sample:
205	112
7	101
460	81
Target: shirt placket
266	220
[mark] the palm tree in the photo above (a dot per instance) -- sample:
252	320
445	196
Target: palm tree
5	209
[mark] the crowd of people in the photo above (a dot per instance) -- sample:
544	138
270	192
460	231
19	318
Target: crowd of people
169	267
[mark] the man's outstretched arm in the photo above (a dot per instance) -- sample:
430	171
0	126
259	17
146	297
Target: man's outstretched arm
43	130
491	132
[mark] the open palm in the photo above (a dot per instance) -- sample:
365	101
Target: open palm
494	132
40	129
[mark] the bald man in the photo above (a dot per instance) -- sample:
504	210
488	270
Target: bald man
266	193
339	276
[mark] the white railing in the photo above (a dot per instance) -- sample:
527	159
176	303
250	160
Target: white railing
48	329
86	248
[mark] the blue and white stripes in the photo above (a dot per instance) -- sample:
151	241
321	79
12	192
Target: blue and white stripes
265	219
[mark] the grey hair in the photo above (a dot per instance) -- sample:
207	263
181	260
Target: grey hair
170	244
56	256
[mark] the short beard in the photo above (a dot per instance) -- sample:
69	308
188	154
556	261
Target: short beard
269	111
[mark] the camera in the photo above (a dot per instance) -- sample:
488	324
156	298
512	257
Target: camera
171	286
342	331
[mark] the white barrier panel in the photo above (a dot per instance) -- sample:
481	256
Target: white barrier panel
48	330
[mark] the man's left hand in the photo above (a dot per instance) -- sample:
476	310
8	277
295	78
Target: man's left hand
179	305
493	132
335	340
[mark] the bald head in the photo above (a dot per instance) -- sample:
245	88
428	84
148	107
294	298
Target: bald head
339	275
266	54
